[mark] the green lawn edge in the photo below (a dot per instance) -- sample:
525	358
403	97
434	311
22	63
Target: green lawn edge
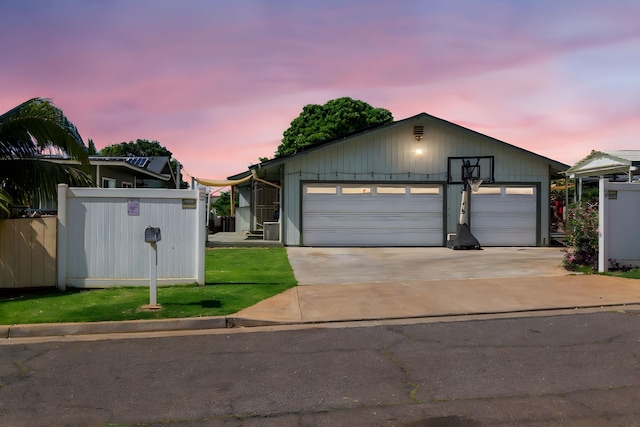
235	278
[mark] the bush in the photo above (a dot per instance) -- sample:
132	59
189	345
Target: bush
582	236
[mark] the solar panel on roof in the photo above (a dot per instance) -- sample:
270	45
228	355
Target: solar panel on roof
141	162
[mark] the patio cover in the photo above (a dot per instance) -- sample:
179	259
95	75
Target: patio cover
600	163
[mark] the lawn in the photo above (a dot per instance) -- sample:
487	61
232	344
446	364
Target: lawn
631	274
235	279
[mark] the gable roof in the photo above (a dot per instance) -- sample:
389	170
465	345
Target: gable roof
151	166
599	163
556	167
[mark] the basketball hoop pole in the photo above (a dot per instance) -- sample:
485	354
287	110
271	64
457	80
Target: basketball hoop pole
468	185
464	238
463	203
468	171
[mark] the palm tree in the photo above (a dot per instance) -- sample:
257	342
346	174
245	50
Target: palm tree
26	133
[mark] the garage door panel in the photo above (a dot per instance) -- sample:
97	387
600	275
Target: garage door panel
506	204
354	222
505	219
369	237
387	205
498	220
372	219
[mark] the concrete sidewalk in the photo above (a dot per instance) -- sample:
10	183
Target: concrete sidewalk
413	299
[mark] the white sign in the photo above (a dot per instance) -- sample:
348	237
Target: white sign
133	207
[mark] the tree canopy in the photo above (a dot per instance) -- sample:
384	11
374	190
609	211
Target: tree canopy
222	205
335	119
140	148
27	133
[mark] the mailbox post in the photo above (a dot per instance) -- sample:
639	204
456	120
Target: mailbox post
152	236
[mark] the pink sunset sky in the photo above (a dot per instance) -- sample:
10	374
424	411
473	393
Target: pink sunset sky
218	82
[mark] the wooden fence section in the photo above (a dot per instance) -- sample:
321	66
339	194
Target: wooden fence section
28	252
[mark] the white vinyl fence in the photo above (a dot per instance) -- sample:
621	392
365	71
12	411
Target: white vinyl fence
619	228
101	236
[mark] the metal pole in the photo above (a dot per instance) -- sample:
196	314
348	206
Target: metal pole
153	273
463	204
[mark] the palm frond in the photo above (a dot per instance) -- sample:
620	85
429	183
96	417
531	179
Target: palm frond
35	125
31	180
5	203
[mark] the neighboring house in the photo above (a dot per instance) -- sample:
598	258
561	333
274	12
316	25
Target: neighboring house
398	185
133	172
121	172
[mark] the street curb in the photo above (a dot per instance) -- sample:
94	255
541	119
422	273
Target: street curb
223	322
62	329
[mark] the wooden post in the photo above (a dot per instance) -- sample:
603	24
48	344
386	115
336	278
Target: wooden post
232	209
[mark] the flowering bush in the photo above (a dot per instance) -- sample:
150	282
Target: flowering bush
582	236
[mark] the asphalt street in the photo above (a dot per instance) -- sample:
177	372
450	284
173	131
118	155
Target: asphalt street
571	370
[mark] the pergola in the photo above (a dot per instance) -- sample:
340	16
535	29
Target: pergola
606	164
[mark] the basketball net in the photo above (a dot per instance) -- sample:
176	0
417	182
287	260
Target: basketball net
474	184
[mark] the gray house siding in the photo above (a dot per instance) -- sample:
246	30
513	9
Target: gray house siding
388	155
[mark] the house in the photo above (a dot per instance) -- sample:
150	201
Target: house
119	172
400	184
133	172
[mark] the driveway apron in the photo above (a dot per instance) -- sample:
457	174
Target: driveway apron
331	266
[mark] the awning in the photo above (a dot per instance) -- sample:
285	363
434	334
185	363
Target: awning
222	183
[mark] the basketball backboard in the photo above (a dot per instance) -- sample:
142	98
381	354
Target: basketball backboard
461	169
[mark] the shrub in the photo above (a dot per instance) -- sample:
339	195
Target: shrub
582	236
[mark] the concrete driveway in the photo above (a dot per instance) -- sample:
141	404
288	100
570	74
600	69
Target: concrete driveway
403	283
324	266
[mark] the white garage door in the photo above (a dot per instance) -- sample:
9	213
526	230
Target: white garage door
504	215
372	215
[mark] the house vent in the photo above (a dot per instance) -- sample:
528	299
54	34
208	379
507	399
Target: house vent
418	132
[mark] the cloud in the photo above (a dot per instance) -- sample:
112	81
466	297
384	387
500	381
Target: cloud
219	82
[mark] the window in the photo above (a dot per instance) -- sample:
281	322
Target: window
356	190
488	190
425	190
391	190
522	191
322	190
108	183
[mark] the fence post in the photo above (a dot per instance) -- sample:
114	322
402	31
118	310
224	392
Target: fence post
62	237
603	256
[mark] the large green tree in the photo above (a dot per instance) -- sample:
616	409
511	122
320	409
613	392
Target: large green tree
140	148
27	133
335	119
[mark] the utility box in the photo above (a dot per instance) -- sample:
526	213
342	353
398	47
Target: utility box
271	231
152	234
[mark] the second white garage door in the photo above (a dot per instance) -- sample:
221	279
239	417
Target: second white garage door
372	215
504	215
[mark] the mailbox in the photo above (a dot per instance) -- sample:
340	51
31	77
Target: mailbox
152	234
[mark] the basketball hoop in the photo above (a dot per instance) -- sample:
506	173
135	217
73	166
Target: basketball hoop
474	184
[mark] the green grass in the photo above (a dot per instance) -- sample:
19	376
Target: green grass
631	274
235	279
